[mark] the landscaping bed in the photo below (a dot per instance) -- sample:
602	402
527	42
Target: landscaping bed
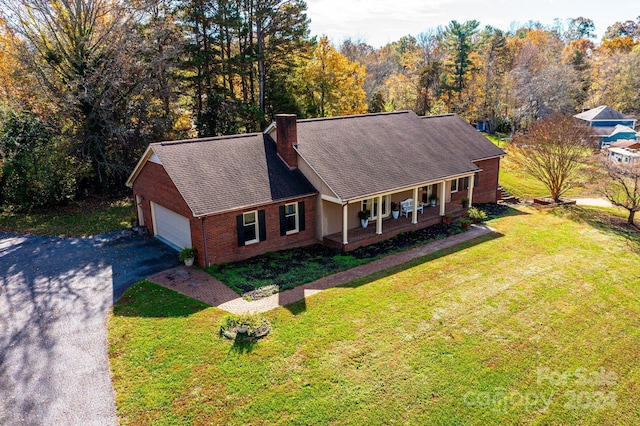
548	201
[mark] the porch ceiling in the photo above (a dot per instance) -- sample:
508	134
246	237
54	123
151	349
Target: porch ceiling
401	189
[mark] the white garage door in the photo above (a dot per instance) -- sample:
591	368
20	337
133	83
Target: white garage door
171	226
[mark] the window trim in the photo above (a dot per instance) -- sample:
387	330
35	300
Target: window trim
296	214
454	182
255	225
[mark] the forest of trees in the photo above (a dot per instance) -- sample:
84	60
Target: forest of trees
85	86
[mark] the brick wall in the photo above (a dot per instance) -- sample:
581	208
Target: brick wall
220	231
287	136
154	184
222	236
487	189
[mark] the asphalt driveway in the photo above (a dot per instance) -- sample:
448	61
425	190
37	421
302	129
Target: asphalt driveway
54	297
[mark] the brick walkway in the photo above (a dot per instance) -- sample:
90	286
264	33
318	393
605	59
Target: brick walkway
199	285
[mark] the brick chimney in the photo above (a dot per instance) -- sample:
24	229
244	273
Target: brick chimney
287	138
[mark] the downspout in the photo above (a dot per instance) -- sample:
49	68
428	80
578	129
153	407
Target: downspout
204	238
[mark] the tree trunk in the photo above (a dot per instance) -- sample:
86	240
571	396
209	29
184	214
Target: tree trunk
261	77
632	214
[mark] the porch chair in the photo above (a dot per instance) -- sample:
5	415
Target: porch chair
406	207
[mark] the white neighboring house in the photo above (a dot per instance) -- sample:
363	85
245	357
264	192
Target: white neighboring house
624	155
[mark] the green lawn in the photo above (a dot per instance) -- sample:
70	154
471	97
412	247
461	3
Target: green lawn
75	220
521	185
537	324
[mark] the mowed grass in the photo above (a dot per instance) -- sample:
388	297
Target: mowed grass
536	324
514	180
78	219
521	185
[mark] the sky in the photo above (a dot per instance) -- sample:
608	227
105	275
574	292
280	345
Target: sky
378	22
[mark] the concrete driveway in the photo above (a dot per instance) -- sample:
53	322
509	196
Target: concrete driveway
54	297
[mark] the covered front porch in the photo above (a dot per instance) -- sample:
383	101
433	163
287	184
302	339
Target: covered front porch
447	195
340	220
359	237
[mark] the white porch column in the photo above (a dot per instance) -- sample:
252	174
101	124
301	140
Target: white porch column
414	214
379	218
443	197
345	222
470	190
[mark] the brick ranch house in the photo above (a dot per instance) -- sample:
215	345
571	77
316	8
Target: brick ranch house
304	181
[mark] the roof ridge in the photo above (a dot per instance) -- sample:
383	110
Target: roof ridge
207	139
342	117
451	114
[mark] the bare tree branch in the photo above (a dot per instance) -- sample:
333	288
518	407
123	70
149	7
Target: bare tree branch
623	190
551	151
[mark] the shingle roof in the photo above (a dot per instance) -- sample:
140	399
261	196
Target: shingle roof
601	131
356	156
230	172
368	154
602	112
622	129
452	130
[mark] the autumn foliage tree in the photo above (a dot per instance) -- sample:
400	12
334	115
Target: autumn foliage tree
13	82
551	150
331	84
83	54
114	75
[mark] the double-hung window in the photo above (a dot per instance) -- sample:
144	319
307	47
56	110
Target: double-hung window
291	218
250	225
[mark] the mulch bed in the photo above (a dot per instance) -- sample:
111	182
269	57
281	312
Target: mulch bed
270	273
548	201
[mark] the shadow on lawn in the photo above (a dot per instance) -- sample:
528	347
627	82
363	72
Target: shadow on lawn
147	299
243	345
602	220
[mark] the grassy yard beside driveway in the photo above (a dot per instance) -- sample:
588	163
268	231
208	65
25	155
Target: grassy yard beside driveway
78	219
538	325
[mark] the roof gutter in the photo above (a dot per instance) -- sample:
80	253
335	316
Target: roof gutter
138	167
254	206
404	188
504	154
